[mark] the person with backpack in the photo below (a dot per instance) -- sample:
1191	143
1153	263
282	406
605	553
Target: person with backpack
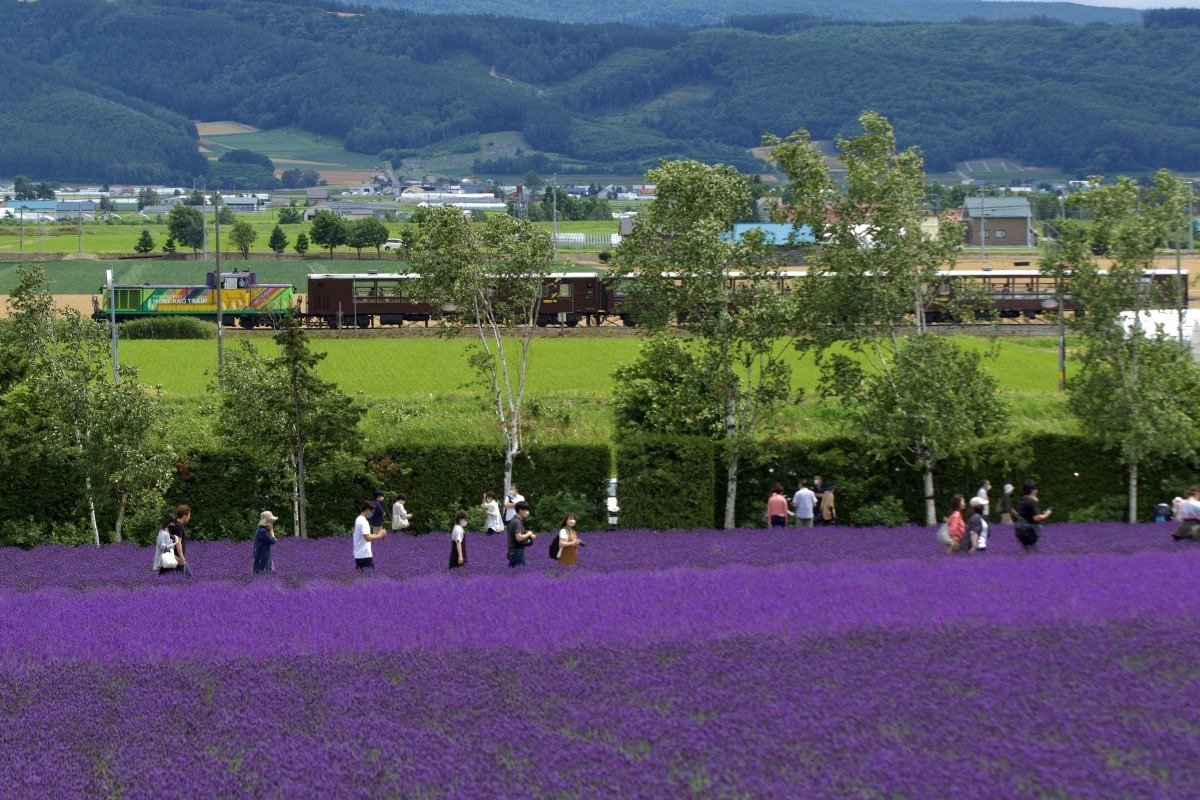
458	543
977	525
565	546
1030	516
518	537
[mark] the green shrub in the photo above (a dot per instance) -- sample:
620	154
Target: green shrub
550	510
888	512
1106	508
666	481
167	328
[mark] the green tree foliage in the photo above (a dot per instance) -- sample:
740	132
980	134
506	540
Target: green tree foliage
169	245
226	215
243	156
493	278
186	225
301	244
278	241
242	236
296	178
682	255
1135	393
145	242
147	197
279	411
567	207
23	188
328	230
868	280
291	214
667	391
367	232
114	433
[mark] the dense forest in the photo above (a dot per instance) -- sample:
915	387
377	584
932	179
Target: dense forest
712	12
104	91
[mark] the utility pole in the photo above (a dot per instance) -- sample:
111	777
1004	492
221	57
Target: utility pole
554	212
220	280
982	224
112	319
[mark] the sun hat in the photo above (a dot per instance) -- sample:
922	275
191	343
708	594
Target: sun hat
977	502
1008	488
266	516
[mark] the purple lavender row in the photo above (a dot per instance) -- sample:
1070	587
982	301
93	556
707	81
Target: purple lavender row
404	557
1105	710
269	617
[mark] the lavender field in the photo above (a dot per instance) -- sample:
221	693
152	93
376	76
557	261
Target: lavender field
831	663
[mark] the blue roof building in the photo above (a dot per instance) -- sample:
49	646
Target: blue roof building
776	233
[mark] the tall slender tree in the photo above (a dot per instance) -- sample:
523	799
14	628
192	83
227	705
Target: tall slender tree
682	264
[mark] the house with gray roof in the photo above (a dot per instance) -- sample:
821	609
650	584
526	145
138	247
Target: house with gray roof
998	221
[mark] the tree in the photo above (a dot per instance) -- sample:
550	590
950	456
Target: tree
242	236
145	242
278	241
285	411
114	432
291	214
328	230
169	245
301	246
682	254
367	232
44	191
196	198
147	197
666	390
494	279
870	278
186	226
1136	392
23	188
225	214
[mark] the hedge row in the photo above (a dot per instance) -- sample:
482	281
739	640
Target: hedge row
228	488
679	482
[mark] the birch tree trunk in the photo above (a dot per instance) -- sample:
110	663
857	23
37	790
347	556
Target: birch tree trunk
930	502
121	516
1133	490
302	499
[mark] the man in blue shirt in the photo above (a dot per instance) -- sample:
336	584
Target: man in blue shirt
376	519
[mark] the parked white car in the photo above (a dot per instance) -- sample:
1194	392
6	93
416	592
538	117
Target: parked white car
392	245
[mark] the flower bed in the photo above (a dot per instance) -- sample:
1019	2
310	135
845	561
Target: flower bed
843	663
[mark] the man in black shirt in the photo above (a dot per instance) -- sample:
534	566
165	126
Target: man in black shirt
1030	516
183	515
518	538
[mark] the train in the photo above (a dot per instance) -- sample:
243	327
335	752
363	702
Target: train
381	299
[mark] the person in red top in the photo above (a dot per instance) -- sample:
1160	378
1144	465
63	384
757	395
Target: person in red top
777	508
955	524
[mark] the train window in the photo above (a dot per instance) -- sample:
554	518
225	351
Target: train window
231	282
129	298
393	290
565	290
550	291
366	290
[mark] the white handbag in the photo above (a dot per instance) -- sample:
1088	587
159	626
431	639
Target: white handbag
167	560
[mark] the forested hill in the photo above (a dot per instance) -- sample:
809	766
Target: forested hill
102	90
713	12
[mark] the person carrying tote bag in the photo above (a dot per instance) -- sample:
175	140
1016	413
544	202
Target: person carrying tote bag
164	547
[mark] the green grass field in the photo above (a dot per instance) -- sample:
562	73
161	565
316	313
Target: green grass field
290	147
48	240
421	389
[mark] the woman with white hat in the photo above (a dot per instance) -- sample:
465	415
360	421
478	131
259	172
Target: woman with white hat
264	537
1004	506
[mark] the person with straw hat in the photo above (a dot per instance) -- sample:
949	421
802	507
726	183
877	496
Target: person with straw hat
264	537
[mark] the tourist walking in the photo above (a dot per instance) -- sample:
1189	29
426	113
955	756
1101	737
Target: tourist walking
401	519
977	525
183	515
804	501
364	558
829	505
777	507
1189	516
458	543
565	547
164	546
1004	506
492	523
376	518
518	537
982	494
1030	516
511	498
264	539
952	532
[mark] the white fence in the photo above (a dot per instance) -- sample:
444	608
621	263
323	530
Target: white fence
585	241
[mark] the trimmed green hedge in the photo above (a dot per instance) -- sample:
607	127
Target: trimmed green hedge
666	482
228	488
167	328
